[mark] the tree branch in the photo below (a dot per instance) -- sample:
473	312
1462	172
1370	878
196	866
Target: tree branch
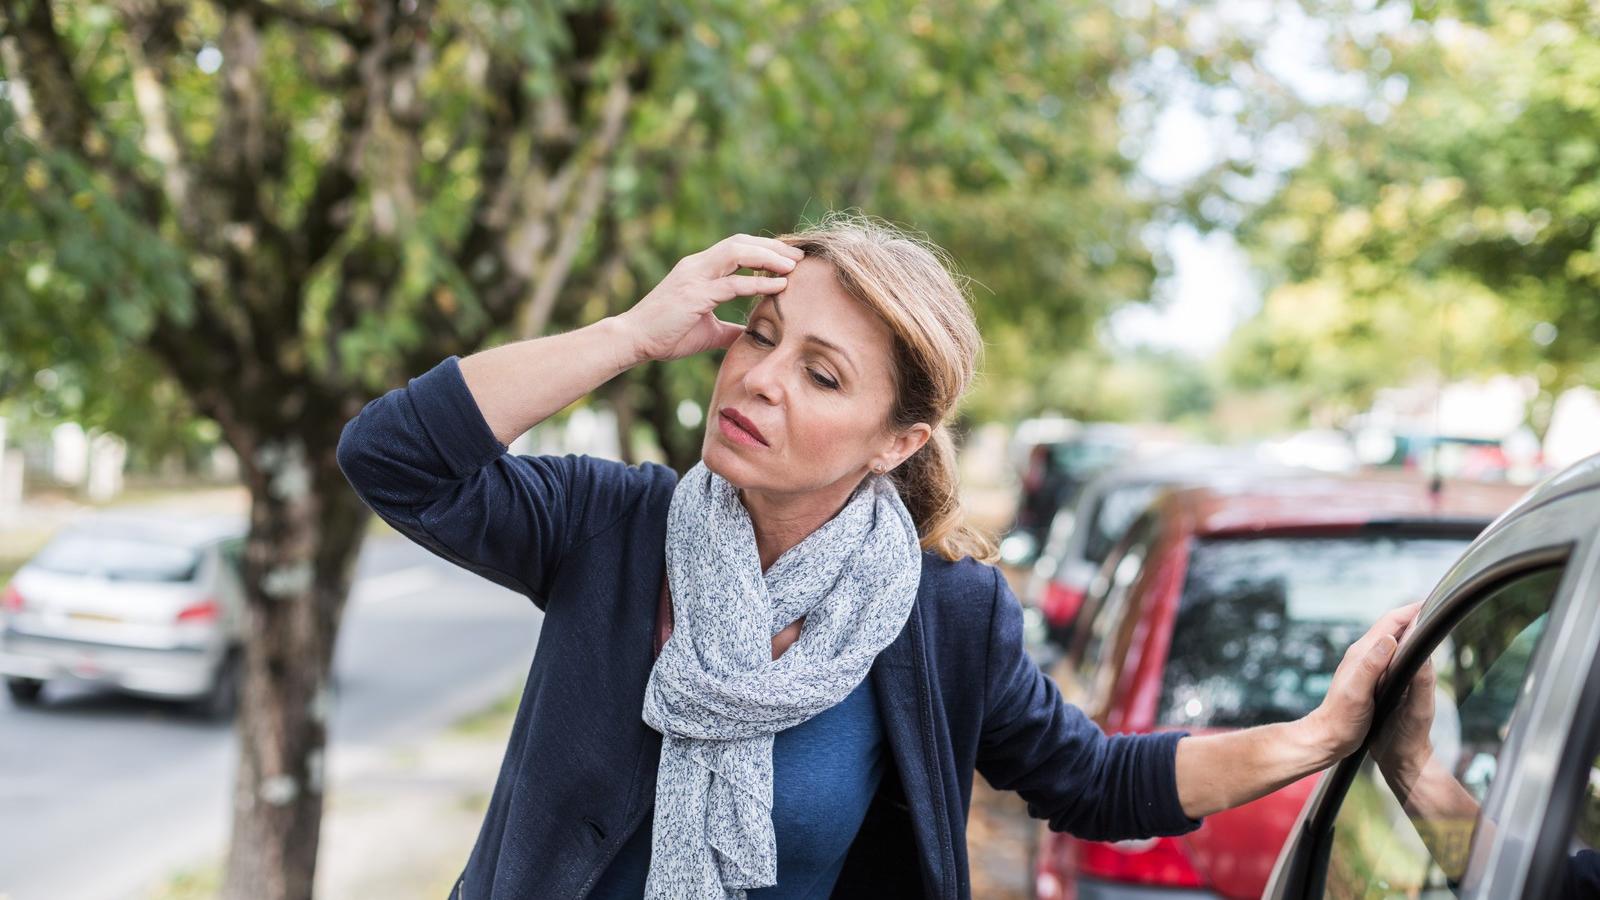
61	105
161	141
353	34
394	50
558	265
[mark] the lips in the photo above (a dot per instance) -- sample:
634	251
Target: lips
733	416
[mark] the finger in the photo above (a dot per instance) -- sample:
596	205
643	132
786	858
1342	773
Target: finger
734	256
1395	622
773	244
1425	676
731	286
726	334
1368	657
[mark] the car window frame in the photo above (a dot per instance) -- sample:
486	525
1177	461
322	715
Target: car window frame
1456	609
1573	763
1527	536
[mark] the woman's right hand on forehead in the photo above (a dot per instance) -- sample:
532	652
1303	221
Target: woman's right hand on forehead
677	318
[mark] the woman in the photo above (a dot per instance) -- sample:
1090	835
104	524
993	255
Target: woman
842	656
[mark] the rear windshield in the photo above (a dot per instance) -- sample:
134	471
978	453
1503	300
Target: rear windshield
119	558
1110	518
1263	622
1082	458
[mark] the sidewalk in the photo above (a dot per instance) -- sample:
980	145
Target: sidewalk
400	823
401	819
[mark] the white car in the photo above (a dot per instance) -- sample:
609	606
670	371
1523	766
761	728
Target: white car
151	606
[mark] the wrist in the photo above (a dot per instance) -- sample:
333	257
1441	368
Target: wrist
619	334
1316	743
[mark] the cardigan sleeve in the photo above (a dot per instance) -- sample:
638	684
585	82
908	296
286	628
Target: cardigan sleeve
425	460
1072	774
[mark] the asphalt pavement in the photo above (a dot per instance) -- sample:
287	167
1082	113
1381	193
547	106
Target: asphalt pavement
102	795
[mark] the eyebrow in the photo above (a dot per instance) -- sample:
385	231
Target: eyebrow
811	338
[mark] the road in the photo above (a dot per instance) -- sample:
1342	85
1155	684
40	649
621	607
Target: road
101	794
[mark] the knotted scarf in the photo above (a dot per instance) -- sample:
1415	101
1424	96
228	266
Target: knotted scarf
716	694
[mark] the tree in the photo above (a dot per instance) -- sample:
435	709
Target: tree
993	128
290	208
1447	221
284	208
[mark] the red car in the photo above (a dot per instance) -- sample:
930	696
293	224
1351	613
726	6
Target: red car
1226	608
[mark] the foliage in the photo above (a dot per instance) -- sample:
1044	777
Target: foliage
1446	222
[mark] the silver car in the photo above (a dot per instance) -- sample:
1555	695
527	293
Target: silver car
150	606
1481	776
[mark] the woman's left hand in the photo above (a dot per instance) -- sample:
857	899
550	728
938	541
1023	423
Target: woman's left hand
1228	769
1341	722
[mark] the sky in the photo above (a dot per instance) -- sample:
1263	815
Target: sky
1211	288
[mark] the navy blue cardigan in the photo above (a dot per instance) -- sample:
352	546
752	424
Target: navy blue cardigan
585	539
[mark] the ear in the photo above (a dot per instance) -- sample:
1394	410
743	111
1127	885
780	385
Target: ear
905	444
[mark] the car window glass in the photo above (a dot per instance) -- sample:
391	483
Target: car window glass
1107	615
1263	621
1112	515
1080	459
117	558
1406	824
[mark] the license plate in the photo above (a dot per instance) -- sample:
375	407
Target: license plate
92	617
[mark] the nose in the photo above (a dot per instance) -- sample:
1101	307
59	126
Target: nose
765	378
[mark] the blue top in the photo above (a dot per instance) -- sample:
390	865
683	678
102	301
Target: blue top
824	773
585	540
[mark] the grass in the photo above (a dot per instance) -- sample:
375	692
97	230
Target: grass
494	719
202	883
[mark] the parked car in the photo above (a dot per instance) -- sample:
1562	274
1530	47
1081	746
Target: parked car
1502	797
1230	606
145	605
1084	532
1055	471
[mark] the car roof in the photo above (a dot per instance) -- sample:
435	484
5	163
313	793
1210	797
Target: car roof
1338	501
188	530
1193	465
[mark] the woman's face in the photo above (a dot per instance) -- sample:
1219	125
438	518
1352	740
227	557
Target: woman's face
813	374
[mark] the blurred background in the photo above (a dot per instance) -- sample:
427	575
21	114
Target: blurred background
1340	252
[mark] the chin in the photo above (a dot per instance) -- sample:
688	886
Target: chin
728	464
719	460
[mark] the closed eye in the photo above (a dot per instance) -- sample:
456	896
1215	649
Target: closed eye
761	340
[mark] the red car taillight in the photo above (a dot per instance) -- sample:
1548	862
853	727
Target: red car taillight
1158	862
1061	603
12	602
206	610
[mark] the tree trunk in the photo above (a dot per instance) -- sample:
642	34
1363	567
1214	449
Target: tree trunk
306	529
619	393
659	408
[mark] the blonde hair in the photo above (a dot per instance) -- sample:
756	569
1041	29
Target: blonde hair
908	282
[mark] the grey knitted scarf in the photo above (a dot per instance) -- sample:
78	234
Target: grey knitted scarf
716	694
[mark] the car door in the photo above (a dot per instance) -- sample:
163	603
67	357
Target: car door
1512	632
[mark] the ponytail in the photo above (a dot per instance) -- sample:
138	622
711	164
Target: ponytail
929	486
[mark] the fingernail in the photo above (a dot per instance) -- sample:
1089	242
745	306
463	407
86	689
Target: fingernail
1382	650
